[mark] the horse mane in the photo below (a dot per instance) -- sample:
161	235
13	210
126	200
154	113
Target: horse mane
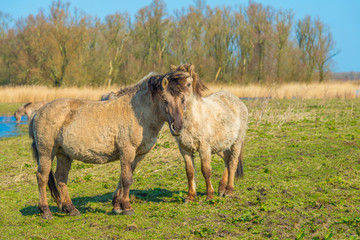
198	86
141	85
27	104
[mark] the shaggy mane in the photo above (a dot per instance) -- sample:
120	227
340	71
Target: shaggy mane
141	85
178	74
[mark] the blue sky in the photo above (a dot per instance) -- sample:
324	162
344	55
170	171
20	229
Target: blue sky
343	17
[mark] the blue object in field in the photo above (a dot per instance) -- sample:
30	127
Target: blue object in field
357	93
9	127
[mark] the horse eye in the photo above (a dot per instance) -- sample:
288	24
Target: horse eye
188	85
183	100
166	102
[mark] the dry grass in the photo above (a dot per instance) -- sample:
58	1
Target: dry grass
23	94
328	90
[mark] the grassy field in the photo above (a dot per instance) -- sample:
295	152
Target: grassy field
302	181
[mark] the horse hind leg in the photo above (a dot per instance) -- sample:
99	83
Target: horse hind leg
205	155
62	172
44	176
224	179
235	167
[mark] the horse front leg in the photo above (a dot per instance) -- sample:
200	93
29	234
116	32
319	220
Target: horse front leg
117	195
190	173
121	200
205	156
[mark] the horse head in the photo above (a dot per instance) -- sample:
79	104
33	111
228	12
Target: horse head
17	116
172	91
20	112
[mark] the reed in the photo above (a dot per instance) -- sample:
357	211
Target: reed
23	94
327	90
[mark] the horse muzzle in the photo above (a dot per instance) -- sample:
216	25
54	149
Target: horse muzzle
176	129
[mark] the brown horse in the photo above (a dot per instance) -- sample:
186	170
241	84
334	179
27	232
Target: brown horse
124	129
213	124
28	109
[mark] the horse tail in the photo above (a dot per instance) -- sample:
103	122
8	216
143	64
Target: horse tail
240	168
51	182
54	189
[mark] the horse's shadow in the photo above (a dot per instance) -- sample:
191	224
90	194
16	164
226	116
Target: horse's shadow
149	195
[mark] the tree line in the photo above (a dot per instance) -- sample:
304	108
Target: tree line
239	45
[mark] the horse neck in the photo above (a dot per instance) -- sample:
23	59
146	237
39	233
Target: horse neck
21	111
147	110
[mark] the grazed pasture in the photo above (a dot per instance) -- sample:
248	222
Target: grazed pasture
302	181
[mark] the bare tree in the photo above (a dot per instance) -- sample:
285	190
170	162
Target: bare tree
324	49
246	44
305	35
283	21
116	33
259	20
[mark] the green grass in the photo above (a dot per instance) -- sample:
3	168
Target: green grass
8	109
302	181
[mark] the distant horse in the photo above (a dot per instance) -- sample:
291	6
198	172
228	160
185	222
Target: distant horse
213	124
28	109
108	96
124	129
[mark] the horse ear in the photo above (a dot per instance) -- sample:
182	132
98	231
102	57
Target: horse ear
191	69
173	67
164	82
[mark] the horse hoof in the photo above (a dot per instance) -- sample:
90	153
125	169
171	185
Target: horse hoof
47	216
228	193
74	213
209	198
188	200
128	212
221	194
117	210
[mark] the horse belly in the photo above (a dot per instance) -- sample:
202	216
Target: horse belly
92	154
224	139
89	146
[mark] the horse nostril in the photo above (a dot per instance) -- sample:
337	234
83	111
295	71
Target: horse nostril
176	128
172	127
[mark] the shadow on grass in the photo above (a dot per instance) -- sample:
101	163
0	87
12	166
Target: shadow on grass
149	195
